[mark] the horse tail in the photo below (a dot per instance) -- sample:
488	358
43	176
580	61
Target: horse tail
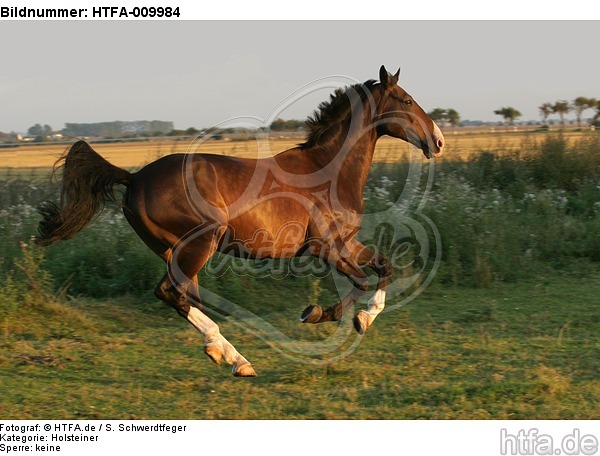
88	182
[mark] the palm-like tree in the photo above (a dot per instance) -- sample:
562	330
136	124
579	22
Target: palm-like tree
509	114
438	115
561	108
453	117
545	110
580	104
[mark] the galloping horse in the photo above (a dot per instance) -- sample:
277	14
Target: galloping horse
186	207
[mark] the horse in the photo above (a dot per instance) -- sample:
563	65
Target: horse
186	207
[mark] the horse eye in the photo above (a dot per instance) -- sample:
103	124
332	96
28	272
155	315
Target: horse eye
408	102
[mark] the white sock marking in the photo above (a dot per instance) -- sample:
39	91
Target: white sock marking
376	303
211	334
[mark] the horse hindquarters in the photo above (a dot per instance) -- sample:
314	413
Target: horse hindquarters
185	239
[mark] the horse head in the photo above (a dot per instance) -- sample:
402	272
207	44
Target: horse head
400	116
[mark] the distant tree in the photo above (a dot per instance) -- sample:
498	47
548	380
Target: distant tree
453	117
580	104
36	130
278	125
444	116
192	131
509	114
438	115
286	125
561	108
545	110
596	120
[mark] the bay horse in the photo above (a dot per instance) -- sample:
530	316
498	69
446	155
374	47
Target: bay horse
307	200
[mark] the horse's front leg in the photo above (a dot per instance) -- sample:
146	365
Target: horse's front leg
378	263
350	268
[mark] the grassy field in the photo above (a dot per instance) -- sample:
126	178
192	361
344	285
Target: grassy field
524	351
509	328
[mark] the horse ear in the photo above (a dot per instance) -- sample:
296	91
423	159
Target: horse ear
384	76
396	77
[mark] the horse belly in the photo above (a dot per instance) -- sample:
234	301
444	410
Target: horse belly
272	229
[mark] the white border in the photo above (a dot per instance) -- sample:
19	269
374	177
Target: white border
319	10
277	438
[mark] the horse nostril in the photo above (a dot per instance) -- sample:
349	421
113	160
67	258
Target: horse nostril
440	143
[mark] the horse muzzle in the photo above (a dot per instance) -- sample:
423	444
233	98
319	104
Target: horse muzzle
438	141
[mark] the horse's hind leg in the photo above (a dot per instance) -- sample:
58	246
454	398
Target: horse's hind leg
216	346
179	289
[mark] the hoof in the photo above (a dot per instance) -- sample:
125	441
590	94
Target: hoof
214	353
245	370
362	321
312	314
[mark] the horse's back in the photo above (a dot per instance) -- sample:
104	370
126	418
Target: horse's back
179	192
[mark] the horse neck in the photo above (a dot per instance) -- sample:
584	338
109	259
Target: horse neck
352	150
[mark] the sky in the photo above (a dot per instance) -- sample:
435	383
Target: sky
203	73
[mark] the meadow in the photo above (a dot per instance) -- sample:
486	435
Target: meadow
509	328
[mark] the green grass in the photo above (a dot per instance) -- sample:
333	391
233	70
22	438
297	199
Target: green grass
509	329
519	351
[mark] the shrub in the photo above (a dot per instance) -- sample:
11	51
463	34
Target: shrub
501	217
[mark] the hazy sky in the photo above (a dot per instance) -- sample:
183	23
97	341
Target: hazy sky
202	73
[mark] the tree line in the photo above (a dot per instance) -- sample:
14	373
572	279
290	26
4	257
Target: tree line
561	107
114	129
143	128
117	129
442	116
579	105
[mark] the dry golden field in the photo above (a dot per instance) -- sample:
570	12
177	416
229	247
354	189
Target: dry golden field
135	154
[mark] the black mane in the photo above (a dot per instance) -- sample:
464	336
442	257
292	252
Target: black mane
330	113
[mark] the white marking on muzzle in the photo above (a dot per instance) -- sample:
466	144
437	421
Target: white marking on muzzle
438	139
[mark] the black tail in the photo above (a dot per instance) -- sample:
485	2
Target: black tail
87	184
